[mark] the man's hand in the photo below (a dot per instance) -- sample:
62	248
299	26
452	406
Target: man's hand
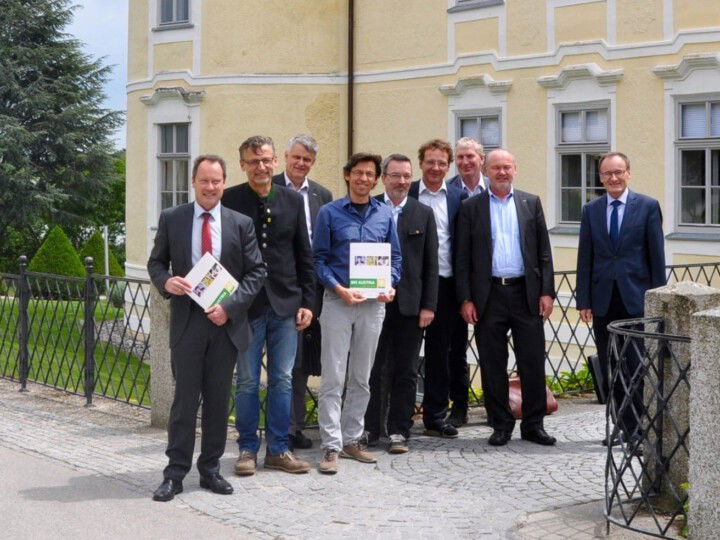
386	297
303	318
586	315
349	296
217	315
469	312
426	317
546	306
178	285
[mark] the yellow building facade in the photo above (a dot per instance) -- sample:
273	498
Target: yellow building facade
557	82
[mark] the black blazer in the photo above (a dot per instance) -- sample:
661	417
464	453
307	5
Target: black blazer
319	195
418	287
239	255
283	240
473	258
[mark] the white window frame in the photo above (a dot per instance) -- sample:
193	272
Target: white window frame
175	158
479	115
174	21
583	148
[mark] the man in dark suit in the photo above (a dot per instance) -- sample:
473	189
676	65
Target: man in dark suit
299	159
435	157
505	282
469	159
281	309
621	255
412	310
203	345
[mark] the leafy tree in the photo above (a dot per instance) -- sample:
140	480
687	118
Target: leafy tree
56	154
57	255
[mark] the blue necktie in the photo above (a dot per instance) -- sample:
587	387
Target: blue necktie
614	229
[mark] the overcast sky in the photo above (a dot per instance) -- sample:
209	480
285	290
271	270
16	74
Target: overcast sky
102	26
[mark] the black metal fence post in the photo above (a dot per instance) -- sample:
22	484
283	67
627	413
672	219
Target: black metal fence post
24	301
89	331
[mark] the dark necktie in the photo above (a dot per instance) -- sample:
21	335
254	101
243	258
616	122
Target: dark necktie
206	243
614	228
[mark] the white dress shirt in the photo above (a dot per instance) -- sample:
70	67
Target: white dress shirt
215	231
438	202
305	192
478	189
396	210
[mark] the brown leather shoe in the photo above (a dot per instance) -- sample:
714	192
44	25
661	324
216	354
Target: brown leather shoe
329	461
357	451
246	463
286	462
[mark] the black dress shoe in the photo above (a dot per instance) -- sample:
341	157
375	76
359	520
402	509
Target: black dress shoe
299	441
167	490
500	437
457	418
444	431
538	436
216	484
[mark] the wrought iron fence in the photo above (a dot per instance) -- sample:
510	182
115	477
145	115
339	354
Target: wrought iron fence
90	335
647	419
84	335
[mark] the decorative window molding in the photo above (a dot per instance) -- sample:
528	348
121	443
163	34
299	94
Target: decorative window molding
689	64
495	87
580	72
466	5
191	98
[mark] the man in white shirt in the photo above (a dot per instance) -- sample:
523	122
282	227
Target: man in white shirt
300	157
435	157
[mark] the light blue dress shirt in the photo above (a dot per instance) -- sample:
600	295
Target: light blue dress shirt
621	209
507	260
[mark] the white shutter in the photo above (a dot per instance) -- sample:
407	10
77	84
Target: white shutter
694	121
596	127
570	124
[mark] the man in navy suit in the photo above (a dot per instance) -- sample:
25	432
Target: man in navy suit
435	157
621	255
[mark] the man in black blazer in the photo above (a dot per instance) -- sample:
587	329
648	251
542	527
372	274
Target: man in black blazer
282	307
505	282
299	159
435	157
203	345
618	261
412	310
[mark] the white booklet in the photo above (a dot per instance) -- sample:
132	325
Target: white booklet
210	281
370	270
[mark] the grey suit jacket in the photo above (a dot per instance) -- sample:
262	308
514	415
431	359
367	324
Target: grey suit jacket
473	255
318	195
171	256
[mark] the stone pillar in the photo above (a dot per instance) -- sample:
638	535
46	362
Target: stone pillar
676	304
704	515
162	383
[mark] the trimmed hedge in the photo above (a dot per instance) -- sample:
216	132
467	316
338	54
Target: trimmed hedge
57	255
95	248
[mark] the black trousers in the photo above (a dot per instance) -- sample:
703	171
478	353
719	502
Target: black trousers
632	408
507	309
393	378
202	364
438	339
458	370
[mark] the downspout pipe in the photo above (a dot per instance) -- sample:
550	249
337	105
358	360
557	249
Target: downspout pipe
351	77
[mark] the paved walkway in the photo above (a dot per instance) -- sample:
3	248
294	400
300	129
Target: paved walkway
70	470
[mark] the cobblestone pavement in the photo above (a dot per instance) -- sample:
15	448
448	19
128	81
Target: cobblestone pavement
458	488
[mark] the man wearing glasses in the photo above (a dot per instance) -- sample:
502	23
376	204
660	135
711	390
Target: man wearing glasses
281	309
351	323
621	255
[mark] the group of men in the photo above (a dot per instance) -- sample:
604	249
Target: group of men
470	250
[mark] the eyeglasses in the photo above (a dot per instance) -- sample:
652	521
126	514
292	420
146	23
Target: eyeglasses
255	162
397	176
609	174
359	174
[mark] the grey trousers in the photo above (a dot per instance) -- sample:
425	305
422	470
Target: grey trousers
350	338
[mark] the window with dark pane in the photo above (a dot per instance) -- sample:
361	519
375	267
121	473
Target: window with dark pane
174	162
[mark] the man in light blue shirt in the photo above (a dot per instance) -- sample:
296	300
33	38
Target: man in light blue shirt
504	275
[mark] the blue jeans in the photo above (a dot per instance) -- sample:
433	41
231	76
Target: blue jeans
280	335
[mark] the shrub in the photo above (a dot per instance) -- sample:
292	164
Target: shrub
56	255
95	248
